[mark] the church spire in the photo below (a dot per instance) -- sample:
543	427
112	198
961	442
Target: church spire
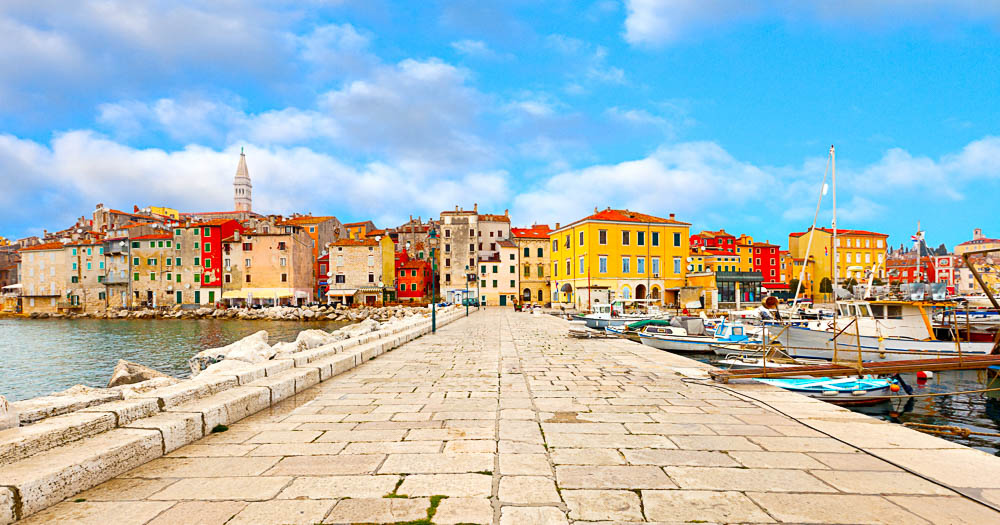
241	185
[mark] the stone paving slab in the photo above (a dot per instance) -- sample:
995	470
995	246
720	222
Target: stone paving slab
500	418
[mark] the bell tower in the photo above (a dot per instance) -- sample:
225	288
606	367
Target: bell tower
242	186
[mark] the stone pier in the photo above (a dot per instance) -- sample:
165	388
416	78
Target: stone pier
500	418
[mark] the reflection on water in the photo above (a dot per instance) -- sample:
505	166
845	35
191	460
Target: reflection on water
43	356
979	412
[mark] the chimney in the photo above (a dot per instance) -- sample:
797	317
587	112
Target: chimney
456	207
475	207
671	216
557	225
506	213
595	209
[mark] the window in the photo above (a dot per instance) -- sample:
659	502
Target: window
773	273
482	283
654	264
196	245
100	265
677	239
169	277
135	244
482	269
512	285
581	264
229	278
371	277
135	261
625	237
677	265
74	279
527	252
413	273
512	270
74	266
312	229
151	262
247	277
581	238
246	262
527	270
878	243
447	233
152	244
602	237
447	248
640	238
447	262
540	252
208	263
569	268
168	260
555	269
494	268
493	246
152	276
413	287
868	257
626	264
88	266
177	231
247	246
135	277
208	247
340	278
494	284
555	245
73	252
197	261
757	262
284	277
541	270
640	265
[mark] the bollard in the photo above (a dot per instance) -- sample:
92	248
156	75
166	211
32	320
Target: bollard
434	319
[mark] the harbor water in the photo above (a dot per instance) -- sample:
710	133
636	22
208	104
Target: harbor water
38	357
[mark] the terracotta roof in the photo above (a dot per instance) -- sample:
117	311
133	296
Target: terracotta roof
324	257
506	243
307	220
354	242
135	224
538	231
764	245
841	232
708	234
46	246
362	223
494	217
153	236
980	241
84	243
626	216
415	263
374	233
213	222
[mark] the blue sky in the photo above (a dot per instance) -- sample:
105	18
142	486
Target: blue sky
720	111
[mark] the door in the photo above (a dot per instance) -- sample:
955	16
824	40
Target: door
197	297
180	296
503	300
211	297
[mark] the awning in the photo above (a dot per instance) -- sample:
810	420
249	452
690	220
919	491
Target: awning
342	292
371	289
258	293
17	286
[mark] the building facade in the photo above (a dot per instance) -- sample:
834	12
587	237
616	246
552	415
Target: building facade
978	242
634	255
268	268
498	275
535	275
43	277
860	252
356	271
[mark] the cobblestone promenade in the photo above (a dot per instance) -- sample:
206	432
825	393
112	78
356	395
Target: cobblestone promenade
500	418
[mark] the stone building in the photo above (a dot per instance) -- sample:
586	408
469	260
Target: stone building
43	277
458	255
533	249
154	276
322	231
358	230
498	275
242	198
85	290
356	271
268	268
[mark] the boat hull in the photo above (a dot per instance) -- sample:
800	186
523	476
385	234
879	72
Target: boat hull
841	391
690	344
818	344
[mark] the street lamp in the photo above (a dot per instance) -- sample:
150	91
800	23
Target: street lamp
466	296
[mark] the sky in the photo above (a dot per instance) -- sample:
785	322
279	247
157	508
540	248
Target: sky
720	111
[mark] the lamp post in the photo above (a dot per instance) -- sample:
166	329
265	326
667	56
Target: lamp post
466	296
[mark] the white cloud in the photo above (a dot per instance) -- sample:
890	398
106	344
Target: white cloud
637	117
478	49
421	113
337	51
80	168
657	22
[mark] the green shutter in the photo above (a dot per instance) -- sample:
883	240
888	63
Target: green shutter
135	277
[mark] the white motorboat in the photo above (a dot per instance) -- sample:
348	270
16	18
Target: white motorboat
882	330
683	335
841	390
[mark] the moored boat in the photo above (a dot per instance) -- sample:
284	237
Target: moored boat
841	390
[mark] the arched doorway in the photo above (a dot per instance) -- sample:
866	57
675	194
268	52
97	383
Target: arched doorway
640	291
655	294
567	289
626	292
541	296
527	294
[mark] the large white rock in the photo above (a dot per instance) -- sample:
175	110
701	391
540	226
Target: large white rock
128	373
8	416
252	349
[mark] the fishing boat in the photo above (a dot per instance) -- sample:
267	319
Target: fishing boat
736	338
614	314
636	327
889	330
681	335
841	390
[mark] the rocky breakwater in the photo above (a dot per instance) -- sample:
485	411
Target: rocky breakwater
276	313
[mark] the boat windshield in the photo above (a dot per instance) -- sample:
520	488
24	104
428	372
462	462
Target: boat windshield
737	330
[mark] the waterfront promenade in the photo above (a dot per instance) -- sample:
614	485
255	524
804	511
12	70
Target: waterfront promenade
514	423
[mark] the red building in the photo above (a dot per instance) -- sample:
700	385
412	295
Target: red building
212	233
907	270
413	277
767	261
718	241
322	277
946	270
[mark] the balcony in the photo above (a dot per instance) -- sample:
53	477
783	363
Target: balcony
115	278
116	247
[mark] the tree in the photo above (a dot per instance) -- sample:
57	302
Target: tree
825	286
850	284
877	282
793	286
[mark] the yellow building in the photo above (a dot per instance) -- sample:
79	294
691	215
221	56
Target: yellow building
166	212
631	254
744	249
388	261
978	242
533	248
860	252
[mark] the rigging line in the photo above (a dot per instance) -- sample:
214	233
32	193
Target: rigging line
812	231
870	453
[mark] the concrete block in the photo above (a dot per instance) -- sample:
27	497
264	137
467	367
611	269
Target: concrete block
39	408
228	406
6	506
176	428
277	366
17	444
8	416
306	377
54	475
281	386
334	365
127	411
181	393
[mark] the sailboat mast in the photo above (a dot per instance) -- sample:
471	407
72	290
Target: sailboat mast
836	261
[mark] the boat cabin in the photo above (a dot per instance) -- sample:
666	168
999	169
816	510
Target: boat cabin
907	319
